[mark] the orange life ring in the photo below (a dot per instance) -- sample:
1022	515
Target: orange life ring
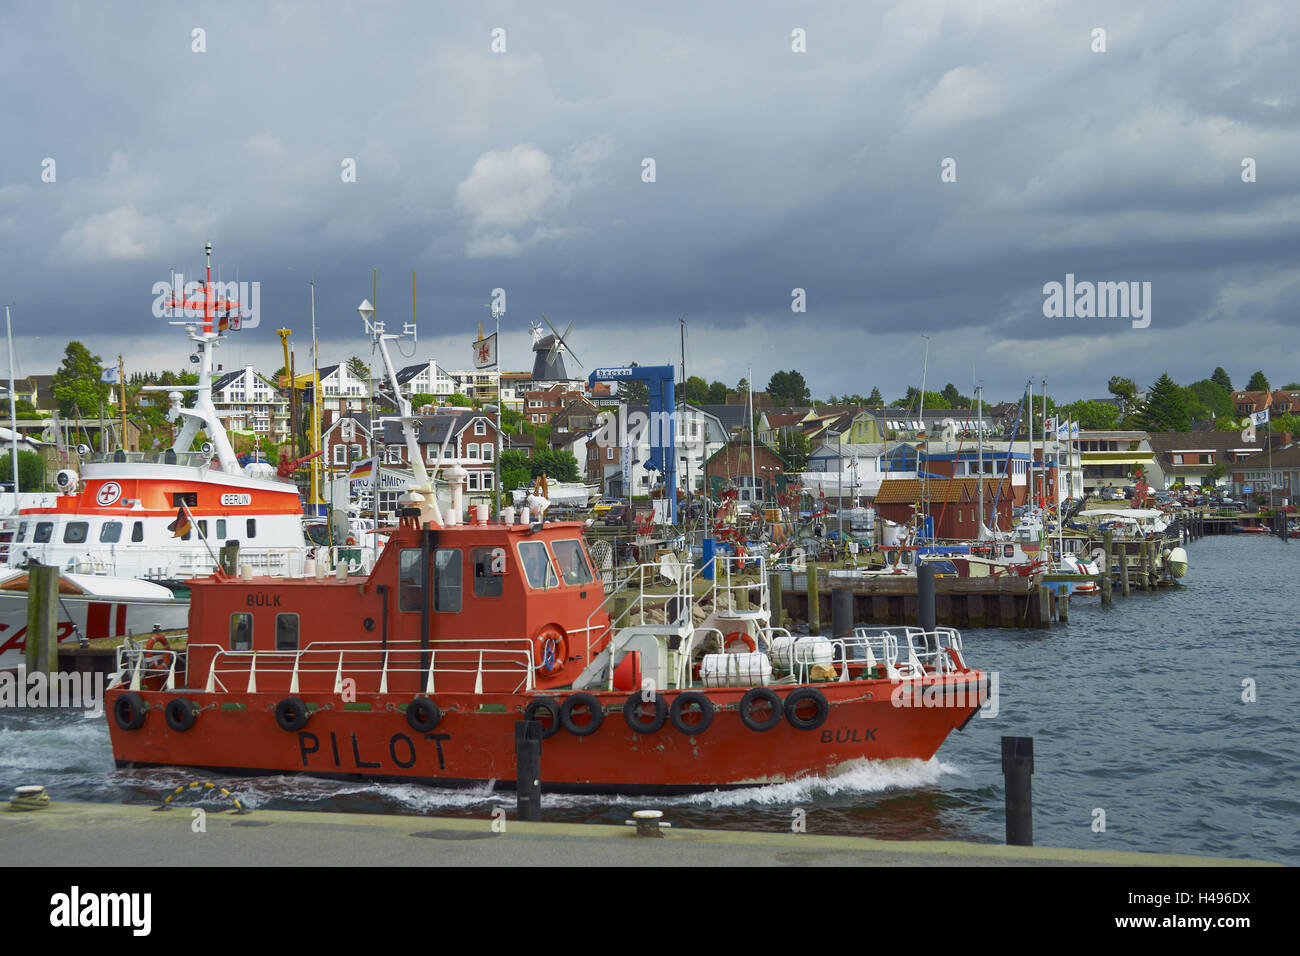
351	541
158	660
550	650
736	637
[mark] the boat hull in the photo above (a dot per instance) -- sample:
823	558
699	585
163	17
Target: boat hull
473	743
93	616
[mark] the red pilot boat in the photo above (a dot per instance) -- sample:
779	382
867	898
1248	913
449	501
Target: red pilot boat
420	671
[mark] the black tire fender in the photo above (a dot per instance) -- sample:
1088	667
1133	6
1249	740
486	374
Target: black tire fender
548	704
632	713
291	714
180	714
797	697
423	714
129	711
683	701
753	696
566	714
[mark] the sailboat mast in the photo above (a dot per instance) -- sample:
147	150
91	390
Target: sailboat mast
13	415
315	406
979	425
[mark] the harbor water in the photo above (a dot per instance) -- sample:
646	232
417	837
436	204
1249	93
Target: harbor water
1143	739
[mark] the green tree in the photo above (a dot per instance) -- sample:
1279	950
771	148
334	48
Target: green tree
515	470
1226	425
1165	409
1220	377
717	393
76	385
1258	383
1093	415
31	471
556	464
875	397
1207	398
358	369
1292	386
1125	389
696	391
460	401
421	399
788	388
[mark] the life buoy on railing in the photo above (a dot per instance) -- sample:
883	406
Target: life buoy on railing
550	650
739	637
351	541
156	661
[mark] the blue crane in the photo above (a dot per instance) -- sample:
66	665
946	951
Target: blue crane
662	426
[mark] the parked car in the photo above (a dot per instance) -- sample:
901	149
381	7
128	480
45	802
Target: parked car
616	515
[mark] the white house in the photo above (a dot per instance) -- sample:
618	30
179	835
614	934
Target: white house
425	378
245	401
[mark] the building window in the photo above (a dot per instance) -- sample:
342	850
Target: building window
471	481
480	427
487	481
487	450
340	454
471	451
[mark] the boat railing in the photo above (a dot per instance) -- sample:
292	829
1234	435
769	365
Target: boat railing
480	658
642	591
136	664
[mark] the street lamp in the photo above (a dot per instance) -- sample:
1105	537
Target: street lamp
496	457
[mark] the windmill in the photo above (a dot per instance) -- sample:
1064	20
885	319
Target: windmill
549	352
558	344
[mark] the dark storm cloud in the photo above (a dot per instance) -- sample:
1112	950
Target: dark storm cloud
775	170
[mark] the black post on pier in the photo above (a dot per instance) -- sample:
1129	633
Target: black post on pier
1018	770
528	772
842	613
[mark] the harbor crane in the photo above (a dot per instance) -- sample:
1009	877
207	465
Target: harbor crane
662	425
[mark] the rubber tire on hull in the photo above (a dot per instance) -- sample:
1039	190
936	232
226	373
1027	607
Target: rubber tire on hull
544	703
747	702
423	714
291	714
632	709
180	714
797	697
682	701
566	714
129	711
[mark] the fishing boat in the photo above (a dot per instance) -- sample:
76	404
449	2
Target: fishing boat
422	671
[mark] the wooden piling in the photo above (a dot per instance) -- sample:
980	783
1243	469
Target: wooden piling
42	619
1107	581
774	596
1063	605
1123	568
1044	606
814	601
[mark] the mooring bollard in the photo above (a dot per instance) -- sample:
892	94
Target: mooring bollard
528	772
1018	771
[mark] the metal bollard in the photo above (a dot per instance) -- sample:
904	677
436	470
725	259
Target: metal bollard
1018	770
528	770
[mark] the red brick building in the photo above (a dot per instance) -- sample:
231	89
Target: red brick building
954	504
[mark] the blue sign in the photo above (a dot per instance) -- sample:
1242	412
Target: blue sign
1247	489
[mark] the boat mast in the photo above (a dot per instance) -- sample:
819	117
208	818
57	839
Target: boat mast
925	481
753	471
13	415
315	406
979	425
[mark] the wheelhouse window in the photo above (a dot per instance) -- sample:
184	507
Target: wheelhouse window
410	580
203	529
137	531
241	631
22	531
221	527
189	498
489	571
111	532
536	562
446	580
286	632
251	525
573	565
75	532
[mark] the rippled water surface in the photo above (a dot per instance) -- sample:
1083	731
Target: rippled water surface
1135	711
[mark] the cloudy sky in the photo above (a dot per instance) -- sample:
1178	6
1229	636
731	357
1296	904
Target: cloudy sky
774	170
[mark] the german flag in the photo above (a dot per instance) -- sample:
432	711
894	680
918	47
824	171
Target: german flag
181	526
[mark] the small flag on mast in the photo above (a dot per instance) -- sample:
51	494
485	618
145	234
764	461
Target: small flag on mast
485	351
181	526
